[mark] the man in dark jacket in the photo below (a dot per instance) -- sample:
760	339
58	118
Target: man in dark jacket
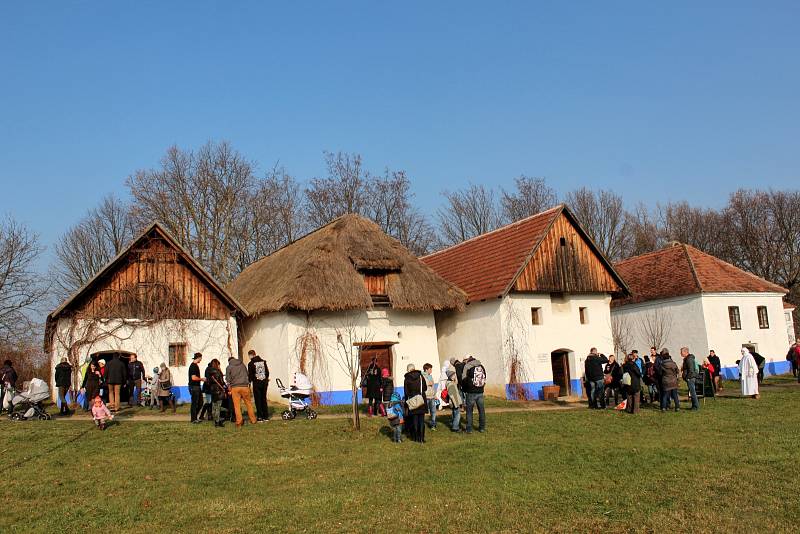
760	362
713	359
136	376
472	383
593	371
258	374
413	385
63	382
116	375
669	381
689	374
8	379
195	388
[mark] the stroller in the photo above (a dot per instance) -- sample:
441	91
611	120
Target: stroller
298	396
28	404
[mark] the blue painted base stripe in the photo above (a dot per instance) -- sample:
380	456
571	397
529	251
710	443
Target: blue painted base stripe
771	368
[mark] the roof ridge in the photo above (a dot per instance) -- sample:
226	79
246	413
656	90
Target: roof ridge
490	232
739	269
691	267
651	253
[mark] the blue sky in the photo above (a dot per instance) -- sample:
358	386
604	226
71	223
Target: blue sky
658	101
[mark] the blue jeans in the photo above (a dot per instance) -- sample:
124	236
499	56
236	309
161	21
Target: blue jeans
475	399
670	395
456	419
432	411
693	393
398	433
597	392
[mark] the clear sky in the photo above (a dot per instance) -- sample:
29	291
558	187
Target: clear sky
656	100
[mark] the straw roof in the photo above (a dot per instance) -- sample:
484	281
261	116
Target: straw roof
324	271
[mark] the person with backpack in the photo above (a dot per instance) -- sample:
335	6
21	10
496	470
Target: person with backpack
473	380
669	381
258	374
689	372
63	383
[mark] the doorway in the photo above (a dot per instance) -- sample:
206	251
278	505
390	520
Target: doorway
559	360
382	352
124	393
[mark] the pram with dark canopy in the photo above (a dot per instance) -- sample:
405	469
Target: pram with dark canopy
298	395
28	404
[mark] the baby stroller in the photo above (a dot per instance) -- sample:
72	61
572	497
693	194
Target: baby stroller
298	396
28	404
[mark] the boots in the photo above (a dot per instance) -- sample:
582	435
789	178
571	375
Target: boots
369	411
382	409
219	424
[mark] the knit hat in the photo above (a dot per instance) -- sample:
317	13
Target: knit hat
385	372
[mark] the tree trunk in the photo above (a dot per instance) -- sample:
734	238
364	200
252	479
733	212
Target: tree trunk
354	403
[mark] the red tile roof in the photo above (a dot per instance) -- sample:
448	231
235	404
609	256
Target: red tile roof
485	266
788	305
680	269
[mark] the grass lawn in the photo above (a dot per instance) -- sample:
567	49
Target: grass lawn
730	467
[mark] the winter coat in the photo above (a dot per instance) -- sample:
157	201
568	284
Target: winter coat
396	407
117	373
164	378
136	370
413	385
215	384
257	370
236	374
687	368
454	395
636	376
593	368
100	412
63	375
372	381
669	374
388	388
471	368
8	375
91	383
615	371
714	360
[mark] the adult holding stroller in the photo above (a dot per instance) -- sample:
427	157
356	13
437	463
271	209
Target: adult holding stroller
91	384
63	383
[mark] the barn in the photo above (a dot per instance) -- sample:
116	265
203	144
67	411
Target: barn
345	291
153	300
682	296
539	294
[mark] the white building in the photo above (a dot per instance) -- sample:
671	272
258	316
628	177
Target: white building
538	293
153	300
788	310
696	300
346	291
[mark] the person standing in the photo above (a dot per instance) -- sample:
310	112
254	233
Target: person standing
91	384
63	382
8	381
639	363
116	375
649	379
413	385
748	374
760	363
136	377
258	374
430	393
791	356
456	402
164	391
372	381
593	371
215	384
208	402
635	386
656	358
689	373
612	375
387	389
713	359
669	381
472	383
195	387
239	384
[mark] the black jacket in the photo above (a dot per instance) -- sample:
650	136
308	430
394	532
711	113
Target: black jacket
388	389
414	384
63	375
471	369
372	379
593	368
116	372
615	371
256	369
136	370
91	381
215	384
8	374
636	376
714	360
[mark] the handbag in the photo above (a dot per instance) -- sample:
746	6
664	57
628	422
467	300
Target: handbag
417	400
607	379
626	379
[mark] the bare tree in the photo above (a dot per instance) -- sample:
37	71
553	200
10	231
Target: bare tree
89	245
22	289
699	227
201	198
532	196
344	190
603	215
467	213
645	234
347	355
655	326
622	333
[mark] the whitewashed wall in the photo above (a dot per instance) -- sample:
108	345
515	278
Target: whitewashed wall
790	333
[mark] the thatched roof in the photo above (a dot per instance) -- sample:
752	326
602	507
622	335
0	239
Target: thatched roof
324	271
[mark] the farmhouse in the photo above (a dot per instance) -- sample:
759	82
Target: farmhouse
681	296
539	292
344	293
153	300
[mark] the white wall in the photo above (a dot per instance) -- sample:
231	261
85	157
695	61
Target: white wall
790	333
215	339
274	336
770	342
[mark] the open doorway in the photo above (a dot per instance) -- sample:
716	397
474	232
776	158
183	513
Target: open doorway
559	360
124	393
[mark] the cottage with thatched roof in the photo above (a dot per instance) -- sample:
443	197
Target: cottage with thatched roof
342	288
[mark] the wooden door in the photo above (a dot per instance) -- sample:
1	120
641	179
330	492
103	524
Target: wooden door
560	372
383	354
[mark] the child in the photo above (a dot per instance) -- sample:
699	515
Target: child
100	413
395	417
387	389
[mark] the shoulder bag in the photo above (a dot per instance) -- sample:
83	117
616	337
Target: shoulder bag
417	400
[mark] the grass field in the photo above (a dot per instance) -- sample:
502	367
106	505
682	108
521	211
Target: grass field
732	466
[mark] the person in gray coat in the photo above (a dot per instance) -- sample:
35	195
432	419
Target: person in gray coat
239	383
669	381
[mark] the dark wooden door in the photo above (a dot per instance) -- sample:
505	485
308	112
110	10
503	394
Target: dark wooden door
383	354
560	371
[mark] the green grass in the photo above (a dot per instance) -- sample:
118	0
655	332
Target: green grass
729	467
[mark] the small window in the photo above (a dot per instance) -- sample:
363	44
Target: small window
733	317
536	316
177	354
763	317
584	314
562	242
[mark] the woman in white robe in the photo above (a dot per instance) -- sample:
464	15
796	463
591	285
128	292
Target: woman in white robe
748	374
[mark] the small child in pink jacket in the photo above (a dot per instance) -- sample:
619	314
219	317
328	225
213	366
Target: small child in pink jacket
100	413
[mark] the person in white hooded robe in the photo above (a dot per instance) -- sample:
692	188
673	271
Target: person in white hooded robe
748	374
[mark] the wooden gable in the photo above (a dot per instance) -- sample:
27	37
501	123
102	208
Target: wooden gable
565	261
